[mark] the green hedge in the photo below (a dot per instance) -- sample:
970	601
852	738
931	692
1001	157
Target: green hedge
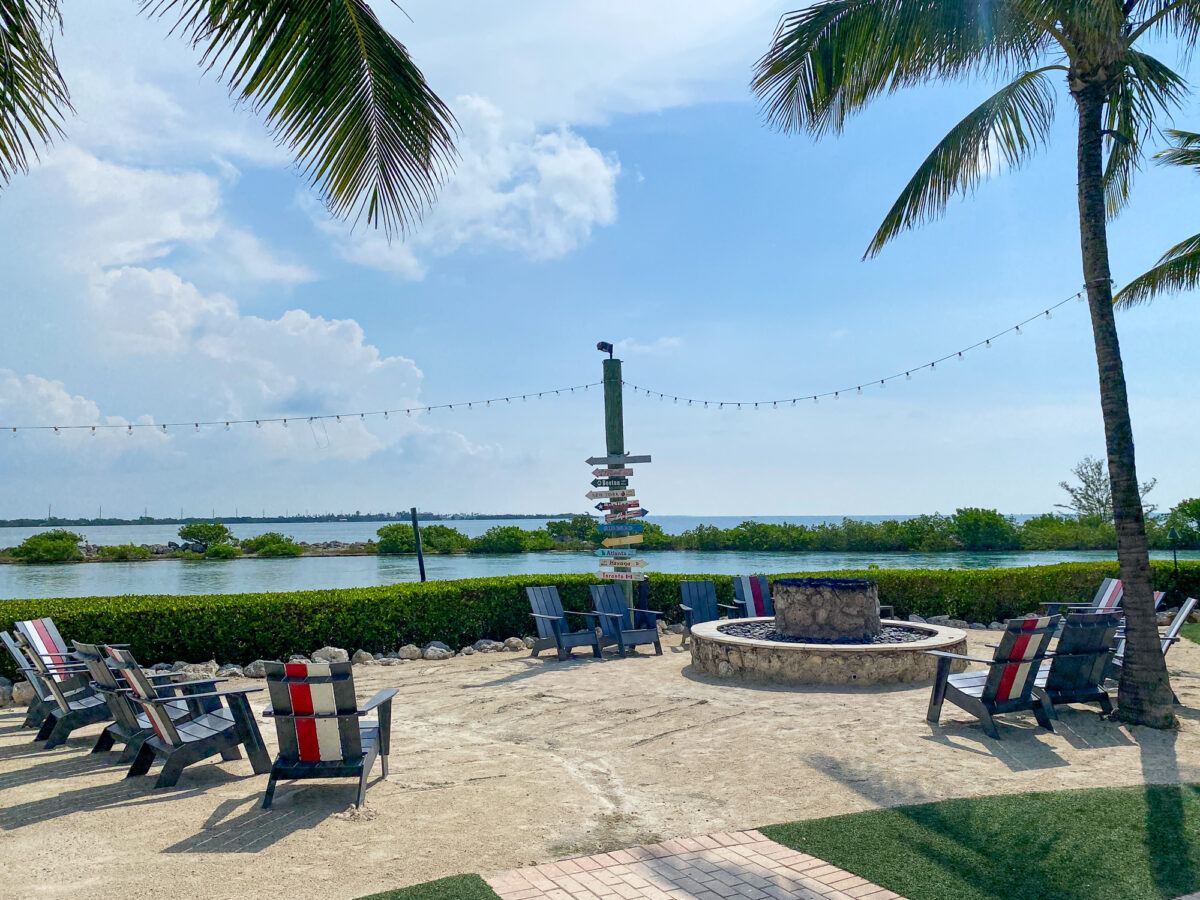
242	627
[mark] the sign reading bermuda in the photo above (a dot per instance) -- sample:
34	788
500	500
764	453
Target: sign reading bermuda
621	528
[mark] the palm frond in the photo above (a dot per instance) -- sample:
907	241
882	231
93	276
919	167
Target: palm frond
1145	88
1178	270
1178	19
1006	127
33	95
337	88
1186	151
831	59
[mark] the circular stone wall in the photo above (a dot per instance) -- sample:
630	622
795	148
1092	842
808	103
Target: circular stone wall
776	662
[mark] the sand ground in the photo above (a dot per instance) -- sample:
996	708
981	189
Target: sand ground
500	761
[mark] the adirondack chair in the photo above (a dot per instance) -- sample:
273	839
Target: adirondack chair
42	638
1075	671
321	729
553	628
753	594
1008	683
698	600
129	725
1171	636
69	709
621	625
43	700
180	744
1107	599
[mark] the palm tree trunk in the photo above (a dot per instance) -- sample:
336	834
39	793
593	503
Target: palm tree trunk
1144	696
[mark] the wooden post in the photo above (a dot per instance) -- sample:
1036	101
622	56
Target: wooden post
417	538
614	428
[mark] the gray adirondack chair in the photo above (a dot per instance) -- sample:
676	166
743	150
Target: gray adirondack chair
620	625
753	593
1007	685
69	709
179	744
129	725
553	627
698	600
1169	637
1107	599
321	729
1075	671
43	700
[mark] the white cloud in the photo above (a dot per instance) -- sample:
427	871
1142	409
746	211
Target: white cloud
539	194
660	345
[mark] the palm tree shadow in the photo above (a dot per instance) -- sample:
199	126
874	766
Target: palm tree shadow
1168	835
1021	749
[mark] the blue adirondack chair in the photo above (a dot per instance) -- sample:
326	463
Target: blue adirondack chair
553	628
621	625
1075	671
753	594
698	600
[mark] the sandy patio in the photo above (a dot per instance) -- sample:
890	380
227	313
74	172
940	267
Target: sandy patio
500	761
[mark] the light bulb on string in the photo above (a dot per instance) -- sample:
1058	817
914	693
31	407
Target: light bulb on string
93	431
1017	329
227	426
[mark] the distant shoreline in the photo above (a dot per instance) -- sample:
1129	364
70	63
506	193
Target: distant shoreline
55	522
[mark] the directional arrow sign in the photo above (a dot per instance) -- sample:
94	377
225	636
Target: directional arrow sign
616	460
621	576
610	482
622	541
618	504
619	553
631	528
619	563
609	495
611	473
625	515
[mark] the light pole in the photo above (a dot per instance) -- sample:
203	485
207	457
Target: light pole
1173	537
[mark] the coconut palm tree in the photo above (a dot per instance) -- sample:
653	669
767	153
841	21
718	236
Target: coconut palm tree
829	60
333	84
1179	268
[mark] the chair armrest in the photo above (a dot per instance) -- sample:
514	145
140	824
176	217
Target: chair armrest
609	615
548	618
685	607
195	682
384	696
573	612
653	612
946	655
225	693
736	606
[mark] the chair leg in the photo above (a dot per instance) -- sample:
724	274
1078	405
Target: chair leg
934	714
132	747
47	725
658	647
106	740
171	770
36	714
270	794
229	754
59	733
1043	711
596	651
1106	706
384	762
362	788
989	725
143	761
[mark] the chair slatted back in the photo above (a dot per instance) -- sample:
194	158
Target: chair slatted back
1177	623
1159	597
610	598
24	662
1014	667
642	618
43	639
1084	649
754	594
106	680
315	711
143	690
701	596
545	602
1108	597
51	678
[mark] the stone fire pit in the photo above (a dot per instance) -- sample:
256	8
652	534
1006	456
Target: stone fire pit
825	631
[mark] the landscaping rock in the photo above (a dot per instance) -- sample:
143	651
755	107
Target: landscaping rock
467	650
913	617
529	641
978	626
409	651
997	626
362	656
438	653
938	620
959	623
6	692
677	628
298	658
161	667
436	645
330	655
514	644
388	661
194	671
486	645
257	669
229	670
22	693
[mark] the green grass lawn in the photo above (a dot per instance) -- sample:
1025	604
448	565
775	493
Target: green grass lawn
1119	843
456	887
1191	631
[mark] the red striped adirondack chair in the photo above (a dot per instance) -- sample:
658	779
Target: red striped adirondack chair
321	729
129	725
179	743
698	600
43	700
41	637
1107	599
753	594
73	703
1169	637
1008	683
1076	669
553	627
618	622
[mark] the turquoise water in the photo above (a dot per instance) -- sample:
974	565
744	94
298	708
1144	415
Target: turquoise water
250	575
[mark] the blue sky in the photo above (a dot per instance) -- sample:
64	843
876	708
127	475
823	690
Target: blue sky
165	262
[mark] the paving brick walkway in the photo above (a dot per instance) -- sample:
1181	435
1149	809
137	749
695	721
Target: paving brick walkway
742	865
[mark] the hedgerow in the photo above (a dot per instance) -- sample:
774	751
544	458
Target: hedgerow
242	627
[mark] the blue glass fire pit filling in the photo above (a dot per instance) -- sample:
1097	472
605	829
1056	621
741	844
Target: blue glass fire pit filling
848	584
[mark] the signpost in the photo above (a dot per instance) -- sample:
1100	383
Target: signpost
610	482
622	541
621	528
625	563
621	576
618	552
599	495
612	473
614	459
618	504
